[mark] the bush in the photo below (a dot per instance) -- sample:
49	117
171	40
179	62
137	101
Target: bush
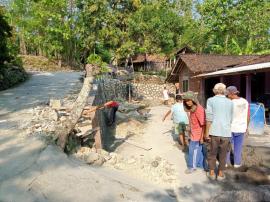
11	75
97	60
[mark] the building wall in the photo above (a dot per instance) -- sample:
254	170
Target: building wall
149	66
195	84
184	75
152	91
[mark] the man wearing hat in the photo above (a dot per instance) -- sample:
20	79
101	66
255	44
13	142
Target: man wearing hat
218	130
197	125
240	121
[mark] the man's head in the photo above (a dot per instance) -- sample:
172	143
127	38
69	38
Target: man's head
178	98
219	89
232	92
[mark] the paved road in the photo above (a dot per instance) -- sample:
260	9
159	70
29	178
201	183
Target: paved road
32	171
38	90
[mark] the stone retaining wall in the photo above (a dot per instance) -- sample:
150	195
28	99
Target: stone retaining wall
117	90
152	91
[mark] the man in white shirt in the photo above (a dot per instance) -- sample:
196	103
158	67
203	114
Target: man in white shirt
240	121
165	96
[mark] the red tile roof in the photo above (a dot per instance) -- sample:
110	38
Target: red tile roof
257	60
201	63
206	63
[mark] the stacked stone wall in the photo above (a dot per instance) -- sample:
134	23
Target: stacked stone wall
153	91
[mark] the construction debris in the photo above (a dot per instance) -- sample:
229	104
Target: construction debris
55	104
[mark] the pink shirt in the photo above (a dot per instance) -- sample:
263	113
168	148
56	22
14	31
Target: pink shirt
197	122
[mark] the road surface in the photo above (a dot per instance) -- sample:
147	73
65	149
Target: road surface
30	170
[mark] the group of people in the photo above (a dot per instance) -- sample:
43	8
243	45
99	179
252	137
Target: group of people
215	133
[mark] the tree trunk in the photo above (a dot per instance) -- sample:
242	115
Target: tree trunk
23	50
64	130
59	57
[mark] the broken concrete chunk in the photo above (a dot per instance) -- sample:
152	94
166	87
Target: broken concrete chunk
92	157
63	118
100	161
49	114
55	104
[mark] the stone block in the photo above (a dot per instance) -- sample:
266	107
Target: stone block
55	104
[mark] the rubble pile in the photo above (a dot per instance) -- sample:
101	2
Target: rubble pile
47	118
43	121
130	119
155	170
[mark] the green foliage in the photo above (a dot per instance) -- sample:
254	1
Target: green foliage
5	33
71	30
97	60
156	27
238	27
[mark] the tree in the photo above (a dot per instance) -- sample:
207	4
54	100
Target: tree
5	33
156	28
233	26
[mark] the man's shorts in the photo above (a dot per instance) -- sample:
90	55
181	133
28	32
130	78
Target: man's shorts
180	128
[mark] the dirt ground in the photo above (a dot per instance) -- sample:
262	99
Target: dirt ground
152	154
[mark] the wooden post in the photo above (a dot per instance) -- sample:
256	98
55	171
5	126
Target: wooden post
221	79
202	85
248	87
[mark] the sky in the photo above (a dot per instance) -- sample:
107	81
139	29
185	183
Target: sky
4	2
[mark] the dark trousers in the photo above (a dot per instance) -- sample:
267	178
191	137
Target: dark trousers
204	151
218	145
111	115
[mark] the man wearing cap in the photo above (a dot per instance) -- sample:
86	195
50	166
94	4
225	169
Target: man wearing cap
218	130
240	121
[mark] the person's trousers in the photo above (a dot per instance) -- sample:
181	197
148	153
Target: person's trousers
204	153
237	141
218	145
195	155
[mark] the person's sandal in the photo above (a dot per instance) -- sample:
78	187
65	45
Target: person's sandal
221	178
211	177
190	170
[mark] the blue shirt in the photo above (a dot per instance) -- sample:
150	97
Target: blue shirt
179	114
219	111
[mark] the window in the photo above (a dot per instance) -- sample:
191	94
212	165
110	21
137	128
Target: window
185	85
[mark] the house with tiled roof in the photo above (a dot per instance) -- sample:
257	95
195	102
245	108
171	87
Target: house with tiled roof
200	72
150	62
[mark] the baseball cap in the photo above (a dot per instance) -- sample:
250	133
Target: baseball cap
232	90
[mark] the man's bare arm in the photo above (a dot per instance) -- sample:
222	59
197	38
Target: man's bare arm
207	128
166	115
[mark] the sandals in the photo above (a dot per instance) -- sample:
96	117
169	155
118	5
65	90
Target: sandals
211	177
